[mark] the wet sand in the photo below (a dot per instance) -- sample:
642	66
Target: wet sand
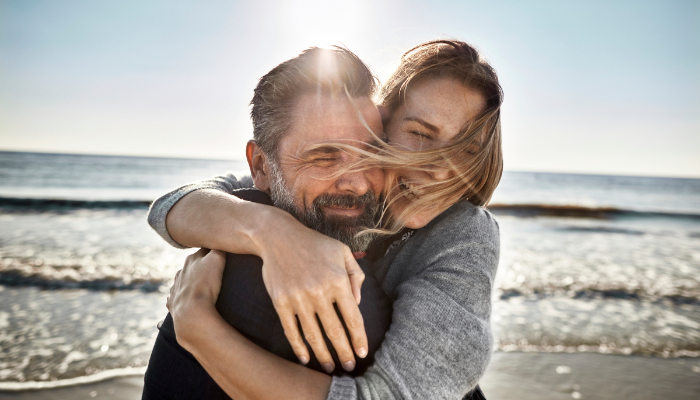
527	376
554	376
113	389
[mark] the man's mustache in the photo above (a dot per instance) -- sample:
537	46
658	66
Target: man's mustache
367	200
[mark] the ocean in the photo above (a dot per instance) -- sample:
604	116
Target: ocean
605	264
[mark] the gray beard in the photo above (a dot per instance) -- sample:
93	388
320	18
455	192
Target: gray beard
342	229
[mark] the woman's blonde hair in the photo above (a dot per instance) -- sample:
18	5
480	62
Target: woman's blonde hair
474	156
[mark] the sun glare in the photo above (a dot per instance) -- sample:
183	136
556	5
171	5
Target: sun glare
322	23
326	64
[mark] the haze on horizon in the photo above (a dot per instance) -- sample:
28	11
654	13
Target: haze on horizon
601	87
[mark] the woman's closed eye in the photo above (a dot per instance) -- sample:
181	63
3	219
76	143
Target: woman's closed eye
420	134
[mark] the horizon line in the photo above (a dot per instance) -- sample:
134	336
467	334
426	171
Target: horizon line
243	160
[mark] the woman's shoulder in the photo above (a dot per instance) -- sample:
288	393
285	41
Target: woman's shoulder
463	221
463	239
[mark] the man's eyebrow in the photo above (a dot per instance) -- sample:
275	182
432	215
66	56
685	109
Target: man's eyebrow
429	126
330	149
321	150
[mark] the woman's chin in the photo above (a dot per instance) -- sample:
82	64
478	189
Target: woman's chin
417	220
420	220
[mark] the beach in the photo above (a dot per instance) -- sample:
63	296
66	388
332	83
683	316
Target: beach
526	376
597	284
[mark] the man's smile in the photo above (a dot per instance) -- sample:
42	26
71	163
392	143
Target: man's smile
351	212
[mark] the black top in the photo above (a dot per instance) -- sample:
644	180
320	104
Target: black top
245	304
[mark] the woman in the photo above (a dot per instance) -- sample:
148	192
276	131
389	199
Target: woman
443	127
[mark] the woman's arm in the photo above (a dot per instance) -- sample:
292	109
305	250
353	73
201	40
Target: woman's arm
304	271
439	342
160	209
241	368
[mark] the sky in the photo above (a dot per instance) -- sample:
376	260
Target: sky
601	87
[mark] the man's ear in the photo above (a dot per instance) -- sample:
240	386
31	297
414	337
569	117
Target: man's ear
258	164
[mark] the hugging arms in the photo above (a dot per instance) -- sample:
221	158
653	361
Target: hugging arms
439	276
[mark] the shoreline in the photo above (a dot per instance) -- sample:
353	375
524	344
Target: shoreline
510	375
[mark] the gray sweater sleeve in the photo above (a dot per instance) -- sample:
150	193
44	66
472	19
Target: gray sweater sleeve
159	209
439	342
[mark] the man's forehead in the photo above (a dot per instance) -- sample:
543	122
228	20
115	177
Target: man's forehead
322	117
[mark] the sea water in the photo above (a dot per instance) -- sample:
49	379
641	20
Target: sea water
588	263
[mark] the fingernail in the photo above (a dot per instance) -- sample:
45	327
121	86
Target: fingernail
328	367
304	360
349	365
362	352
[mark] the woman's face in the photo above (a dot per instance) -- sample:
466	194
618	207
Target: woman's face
434	112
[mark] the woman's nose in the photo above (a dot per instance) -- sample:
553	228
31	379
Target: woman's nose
440	174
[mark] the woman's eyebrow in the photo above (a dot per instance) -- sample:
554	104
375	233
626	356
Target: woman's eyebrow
427	125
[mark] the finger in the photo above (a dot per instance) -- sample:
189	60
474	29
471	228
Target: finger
356	275
354	322
336	334
291	331
313	335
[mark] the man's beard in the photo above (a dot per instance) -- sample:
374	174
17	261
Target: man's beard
343	229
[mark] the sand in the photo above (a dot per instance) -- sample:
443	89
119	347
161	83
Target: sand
523	376
590	376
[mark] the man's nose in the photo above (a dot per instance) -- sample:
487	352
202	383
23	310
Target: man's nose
354	182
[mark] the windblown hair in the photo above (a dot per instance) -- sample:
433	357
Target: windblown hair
474	156
331	71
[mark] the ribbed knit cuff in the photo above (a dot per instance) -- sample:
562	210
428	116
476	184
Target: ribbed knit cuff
342	388
161	207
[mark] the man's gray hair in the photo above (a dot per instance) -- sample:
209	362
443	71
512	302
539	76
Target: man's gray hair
334	71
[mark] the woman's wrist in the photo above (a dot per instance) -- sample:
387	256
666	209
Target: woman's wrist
190	322
269	228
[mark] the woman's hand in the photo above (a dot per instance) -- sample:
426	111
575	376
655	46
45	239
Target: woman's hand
196	288
305	272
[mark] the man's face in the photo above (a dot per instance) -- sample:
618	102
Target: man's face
312	185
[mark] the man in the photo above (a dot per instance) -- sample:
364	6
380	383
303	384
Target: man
320	95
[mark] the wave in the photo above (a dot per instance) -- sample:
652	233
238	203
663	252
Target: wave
38	204
81	380
14	278
519	210
521	346
574	211
675	296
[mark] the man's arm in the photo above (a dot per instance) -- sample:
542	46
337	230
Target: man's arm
264	375
305	272
438	345
221	348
